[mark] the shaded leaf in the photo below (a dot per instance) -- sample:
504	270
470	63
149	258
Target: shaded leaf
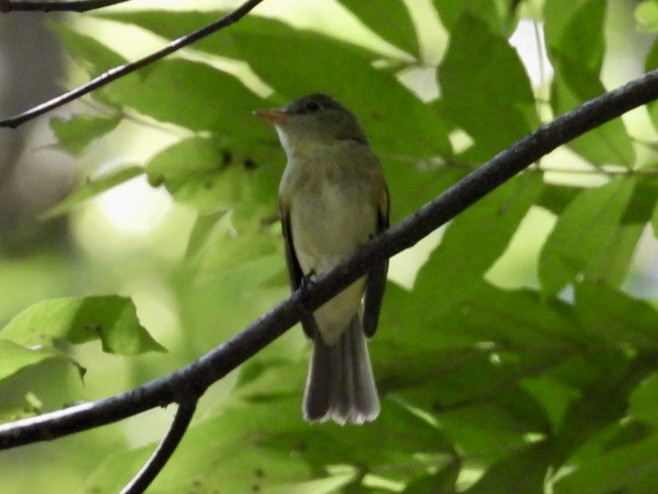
492	221
608	143
390	19
574	32
582	231
617	317
268	449
492	12
633	468
611	264
522	471
643	400
575	43
478	72
556	198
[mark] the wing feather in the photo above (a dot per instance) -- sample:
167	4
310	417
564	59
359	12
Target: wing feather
376	280
295	273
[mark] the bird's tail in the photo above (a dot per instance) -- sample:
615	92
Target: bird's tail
340	384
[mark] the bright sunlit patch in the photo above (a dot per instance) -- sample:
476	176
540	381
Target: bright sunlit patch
516	268
404	267
135	207
528	40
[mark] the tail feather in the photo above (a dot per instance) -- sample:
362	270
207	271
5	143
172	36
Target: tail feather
340	384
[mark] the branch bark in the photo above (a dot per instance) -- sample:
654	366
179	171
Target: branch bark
192	380
166	448
49	6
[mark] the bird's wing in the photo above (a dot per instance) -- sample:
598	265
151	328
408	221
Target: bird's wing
376	280
295	273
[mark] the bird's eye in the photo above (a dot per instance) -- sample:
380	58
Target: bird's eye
312	106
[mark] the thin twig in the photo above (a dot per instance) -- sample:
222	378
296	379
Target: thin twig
166	448
122	70
616	171
196	377
50	6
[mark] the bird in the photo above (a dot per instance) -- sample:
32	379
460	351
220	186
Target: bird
333	199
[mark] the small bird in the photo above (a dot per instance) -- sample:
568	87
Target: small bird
332	199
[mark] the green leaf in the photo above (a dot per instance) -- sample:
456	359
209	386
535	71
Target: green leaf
470	343
633	468
556	198
494	13
93	55
228	169
206	227
171	25
484	428
553	396
477	73
197	171
195	96
522	471
499	215
268	448
443	481
582	232
574	33
30	406
617	317
192	170
608	143
610	266
643	400
110	319
76	133
92	188
574	38
451	12
646	14
15	357
378	16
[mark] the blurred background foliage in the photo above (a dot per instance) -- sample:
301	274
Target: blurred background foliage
518	346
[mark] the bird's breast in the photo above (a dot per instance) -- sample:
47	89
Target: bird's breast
331	213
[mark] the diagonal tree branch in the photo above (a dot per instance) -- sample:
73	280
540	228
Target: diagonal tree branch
55	6
196	377
122	70
166	448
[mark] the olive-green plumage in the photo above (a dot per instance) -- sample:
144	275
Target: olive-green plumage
332	200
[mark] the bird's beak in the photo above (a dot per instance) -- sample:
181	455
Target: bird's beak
273	116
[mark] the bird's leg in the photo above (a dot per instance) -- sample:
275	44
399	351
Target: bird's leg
305	283
308	321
